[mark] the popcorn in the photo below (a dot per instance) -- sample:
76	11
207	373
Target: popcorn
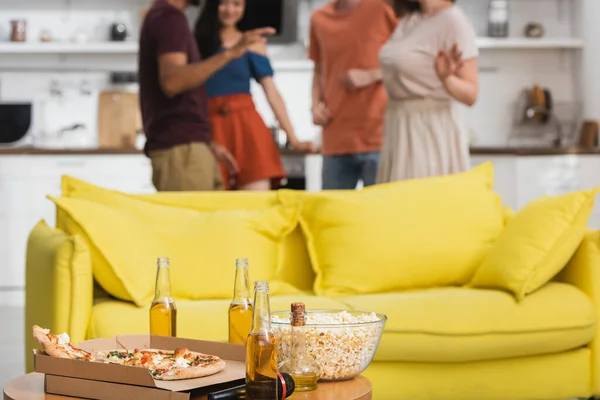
338	342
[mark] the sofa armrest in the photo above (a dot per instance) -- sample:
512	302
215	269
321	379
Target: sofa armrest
583	271
59	286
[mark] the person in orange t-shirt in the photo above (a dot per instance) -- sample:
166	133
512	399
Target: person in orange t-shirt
348	97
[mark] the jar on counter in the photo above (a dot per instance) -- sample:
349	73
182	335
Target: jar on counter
498	18
18	30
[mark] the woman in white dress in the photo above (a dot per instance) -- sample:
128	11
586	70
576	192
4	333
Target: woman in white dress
429	63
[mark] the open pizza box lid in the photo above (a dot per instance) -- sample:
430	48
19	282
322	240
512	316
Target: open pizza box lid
233	355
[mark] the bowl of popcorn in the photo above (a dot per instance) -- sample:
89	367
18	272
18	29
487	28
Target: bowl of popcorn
342	342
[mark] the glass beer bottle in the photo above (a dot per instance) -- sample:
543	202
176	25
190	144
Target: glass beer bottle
163	313
261	352
240	310
300	365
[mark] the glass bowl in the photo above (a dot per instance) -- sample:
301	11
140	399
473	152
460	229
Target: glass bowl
342	342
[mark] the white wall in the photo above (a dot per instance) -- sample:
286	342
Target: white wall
504	73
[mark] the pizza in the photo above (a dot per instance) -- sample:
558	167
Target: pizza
163	364
59	345
167	365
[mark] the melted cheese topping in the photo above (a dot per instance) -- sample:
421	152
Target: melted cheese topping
63	339
156	359
181	362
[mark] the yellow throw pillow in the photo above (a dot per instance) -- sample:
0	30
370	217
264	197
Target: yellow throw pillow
536	244
125	242
406	235
294	267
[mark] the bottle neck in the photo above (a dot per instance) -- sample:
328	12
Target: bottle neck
298	324
163	283
298	338
261	313
241	289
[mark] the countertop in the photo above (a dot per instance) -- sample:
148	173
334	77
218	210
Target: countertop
41	151
516	151
533	151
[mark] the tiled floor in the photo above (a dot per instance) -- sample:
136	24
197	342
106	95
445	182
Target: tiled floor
12	363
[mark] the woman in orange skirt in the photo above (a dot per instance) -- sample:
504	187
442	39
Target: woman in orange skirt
236	124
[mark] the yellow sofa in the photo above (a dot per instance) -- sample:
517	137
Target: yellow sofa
443	340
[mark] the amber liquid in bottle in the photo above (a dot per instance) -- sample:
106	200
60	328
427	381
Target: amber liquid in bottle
240	310
261	354
163	312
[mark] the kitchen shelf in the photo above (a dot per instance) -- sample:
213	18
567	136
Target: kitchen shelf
131	48
69	48
529	43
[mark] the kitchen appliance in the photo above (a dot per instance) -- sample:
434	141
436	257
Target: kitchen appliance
279	14
15	121
295	169
498	18
118	32
119	119
540	121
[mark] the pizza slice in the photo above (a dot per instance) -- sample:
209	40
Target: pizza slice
167	365
59	345
186	364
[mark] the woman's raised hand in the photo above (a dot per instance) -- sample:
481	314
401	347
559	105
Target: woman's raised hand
448	63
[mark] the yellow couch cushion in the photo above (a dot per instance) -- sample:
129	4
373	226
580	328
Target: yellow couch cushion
58	267
460	324
126	240
204	320
293	264
413	234
550	376
537	243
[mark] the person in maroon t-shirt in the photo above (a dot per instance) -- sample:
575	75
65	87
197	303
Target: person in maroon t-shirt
173	100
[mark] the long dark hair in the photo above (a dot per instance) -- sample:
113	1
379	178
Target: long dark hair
403	7
208	27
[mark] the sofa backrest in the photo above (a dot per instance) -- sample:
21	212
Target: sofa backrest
296	269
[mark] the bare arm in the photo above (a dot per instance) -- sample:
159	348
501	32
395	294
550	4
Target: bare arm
279	109
376	75
356	79
317	91
177	76
320	112
464	85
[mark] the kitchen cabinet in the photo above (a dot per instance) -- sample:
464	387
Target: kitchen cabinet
522	179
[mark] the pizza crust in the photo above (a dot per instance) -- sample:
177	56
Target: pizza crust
53	350
198	371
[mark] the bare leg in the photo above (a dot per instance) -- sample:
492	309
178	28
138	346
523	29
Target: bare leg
263	185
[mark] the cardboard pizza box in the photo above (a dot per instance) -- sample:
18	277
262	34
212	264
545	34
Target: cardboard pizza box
87	374
98	390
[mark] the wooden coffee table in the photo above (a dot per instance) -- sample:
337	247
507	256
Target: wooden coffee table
31	387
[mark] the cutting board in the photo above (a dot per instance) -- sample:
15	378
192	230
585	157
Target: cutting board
119	119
